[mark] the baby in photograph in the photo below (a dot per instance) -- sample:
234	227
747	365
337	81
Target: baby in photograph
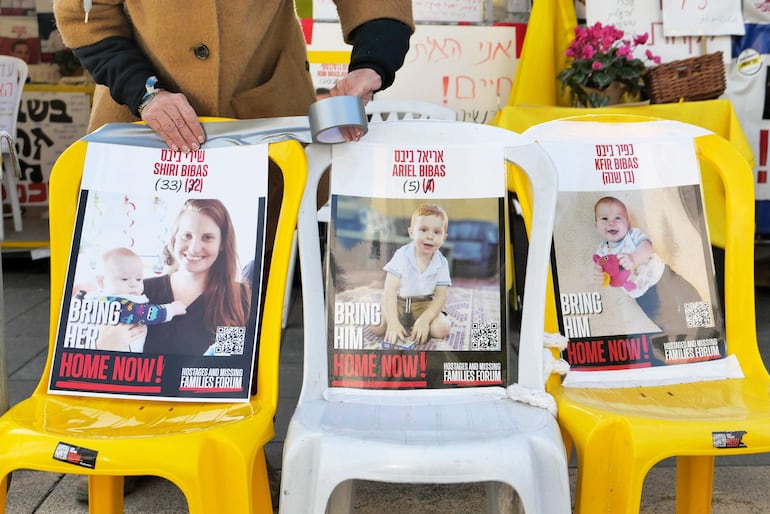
121	280
643	275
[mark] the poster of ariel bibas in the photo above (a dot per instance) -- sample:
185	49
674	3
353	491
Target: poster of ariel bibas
162	289
415	275
633	265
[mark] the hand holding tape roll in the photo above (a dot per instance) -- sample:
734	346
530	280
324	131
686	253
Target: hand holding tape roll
331	117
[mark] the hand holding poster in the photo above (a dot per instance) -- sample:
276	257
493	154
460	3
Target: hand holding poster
162	292
416	292
634	273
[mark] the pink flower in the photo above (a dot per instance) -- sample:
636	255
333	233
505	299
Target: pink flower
596	66
587	52
641	39
654	58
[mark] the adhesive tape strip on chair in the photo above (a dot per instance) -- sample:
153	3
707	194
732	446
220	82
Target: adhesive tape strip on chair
329	115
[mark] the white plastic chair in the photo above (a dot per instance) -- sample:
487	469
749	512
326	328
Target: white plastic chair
478	434
378	110
392	110
13	76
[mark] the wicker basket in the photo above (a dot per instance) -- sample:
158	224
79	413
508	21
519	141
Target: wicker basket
696	78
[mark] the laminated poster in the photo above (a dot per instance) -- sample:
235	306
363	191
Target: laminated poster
162	289
416	295
634	274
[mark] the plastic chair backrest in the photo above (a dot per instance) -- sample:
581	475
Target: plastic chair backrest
174	440
13	76
391	110
616	431
332	421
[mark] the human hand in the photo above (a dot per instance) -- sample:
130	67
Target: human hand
362	83
395	333
421	330
172	117
175	308
118	337
626	260
598	277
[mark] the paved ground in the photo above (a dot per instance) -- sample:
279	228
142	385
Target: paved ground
740	483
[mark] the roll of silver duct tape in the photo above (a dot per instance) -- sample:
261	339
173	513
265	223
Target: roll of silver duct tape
331	114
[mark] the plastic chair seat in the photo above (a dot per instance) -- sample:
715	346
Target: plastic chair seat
410	443
734	401
474	421
98	418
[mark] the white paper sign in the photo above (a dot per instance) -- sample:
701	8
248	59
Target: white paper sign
467	68
49	121
637	17
756	11
422	10
702	18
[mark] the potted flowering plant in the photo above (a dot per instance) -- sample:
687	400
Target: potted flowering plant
602	66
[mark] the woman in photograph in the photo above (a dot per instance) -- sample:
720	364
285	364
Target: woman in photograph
204	275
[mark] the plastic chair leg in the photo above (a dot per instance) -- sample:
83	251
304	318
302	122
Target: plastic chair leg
260	484
289	282
3	490
9	179
105	494
502	499
608	480
694	484
341	500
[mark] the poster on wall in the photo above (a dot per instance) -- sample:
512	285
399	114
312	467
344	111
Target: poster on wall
49	121
747	89
637	296
19	38
416	275
163	284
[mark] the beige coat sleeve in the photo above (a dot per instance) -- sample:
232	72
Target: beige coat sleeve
355	12
106	18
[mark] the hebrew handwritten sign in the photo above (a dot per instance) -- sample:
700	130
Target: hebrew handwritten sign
467	68
702	18
639	16
422	10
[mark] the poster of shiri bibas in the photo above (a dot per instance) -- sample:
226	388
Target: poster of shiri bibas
415	269
633	270
162	289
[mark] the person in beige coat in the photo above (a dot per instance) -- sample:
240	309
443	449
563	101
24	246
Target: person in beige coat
168	62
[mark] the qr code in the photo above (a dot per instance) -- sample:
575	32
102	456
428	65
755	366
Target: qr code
229	341
698	314
485	336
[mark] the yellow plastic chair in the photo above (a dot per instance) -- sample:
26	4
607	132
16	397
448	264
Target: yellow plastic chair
214	452
620	434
